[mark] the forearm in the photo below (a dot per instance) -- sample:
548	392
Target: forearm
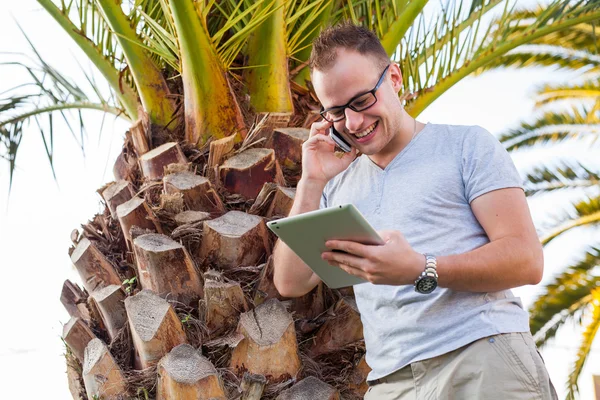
292	277
502	264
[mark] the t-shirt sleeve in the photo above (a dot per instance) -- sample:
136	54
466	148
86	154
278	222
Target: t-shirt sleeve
486	165
323	203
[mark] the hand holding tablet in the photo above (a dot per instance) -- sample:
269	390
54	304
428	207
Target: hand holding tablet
307	233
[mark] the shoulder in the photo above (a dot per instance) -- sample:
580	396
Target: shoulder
353	170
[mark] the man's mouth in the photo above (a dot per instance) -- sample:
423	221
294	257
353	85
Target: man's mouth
366	132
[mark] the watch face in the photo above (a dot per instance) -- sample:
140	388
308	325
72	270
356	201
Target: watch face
426	285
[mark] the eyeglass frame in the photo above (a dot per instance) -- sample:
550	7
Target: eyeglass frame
349	103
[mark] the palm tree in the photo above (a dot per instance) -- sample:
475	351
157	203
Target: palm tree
210	83
567	112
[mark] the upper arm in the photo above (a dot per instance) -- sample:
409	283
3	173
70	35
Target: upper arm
505	213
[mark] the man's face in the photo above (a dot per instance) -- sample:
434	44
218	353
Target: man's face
370	131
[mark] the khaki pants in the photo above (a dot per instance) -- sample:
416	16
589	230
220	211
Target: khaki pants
503	367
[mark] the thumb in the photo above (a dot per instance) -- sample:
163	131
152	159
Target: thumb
388	235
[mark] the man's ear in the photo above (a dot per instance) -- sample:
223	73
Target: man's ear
396	77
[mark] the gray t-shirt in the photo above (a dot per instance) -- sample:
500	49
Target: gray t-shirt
425	193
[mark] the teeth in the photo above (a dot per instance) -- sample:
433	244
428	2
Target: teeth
366	131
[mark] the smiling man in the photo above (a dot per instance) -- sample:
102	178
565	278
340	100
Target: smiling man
439	319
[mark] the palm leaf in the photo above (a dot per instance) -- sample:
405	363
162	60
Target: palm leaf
151	86
550	93
86	27
584	213
562	175
586	344
551	127
566	295
453	62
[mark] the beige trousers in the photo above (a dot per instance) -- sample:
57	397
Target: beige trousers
500	367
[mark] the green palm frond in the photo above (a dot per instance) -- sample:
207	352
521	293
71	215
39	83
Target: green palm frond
586	344
532	56
566	295
583	213
48	93
562	175
581	37
426	79
586	90
83	22
551	127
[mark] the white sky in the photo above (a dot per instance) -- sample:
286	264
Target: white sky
36	223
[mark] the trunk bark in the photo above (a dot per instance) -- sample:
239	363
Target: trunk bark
310	388
269	346
165	267
153	163
95	270
155	327
198	193
77	335
184	374
109	303
233	240
102	376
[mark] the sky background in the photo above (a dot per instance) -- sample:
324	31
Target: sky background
37	219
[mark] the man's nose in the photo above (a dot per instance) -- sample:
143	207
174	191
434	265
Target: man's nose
354	120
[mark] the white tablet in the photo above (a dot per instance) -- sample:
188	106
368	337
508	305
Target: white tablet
307	233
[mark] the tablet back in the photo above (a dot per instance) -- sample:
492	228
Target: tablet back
307	233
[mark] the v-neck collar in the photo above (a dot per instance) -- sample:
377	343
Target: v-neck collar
399	155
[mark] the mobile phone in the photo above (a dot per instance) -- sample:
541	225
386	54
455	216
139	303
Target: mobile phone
339	140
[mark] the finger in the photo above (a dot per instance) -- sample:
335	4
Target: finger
347	259
352	271
320	128
350	247
313	141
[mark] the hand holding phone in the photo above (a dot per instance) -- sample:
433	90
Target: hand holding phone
339	140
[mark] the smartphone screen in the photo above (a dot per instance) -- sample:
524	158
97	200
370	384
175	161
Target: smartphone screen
339	140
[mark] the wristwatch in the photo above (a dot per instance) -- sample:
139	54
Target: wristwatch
427	281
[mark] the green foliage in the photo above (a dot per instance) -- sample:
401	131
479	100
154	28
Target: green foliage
567	112
129	284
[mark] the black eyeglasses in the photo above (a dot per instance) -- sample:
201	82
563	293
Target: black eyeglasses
358	103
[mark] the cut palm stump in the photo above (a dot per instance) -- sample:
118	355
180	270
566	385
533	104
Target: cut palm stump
343	328
109	302
305	307
224	303
165	267
102	376
287	143
138	135
282	202
75	301
153	163
136	212
247	172
191	217
234	239
94	269
269	345
358	378
117	194
198	193
184	374
75	381
77	335
308	389
155	327
252	386
125	167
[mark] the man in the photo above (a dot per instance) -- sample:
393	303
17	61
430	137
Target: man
448	202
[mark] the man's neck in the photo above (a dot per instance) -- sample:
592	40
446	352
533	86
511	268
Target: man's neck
409	130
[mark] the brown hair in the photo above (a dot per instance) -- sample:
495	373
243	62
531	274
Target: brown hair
346	36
